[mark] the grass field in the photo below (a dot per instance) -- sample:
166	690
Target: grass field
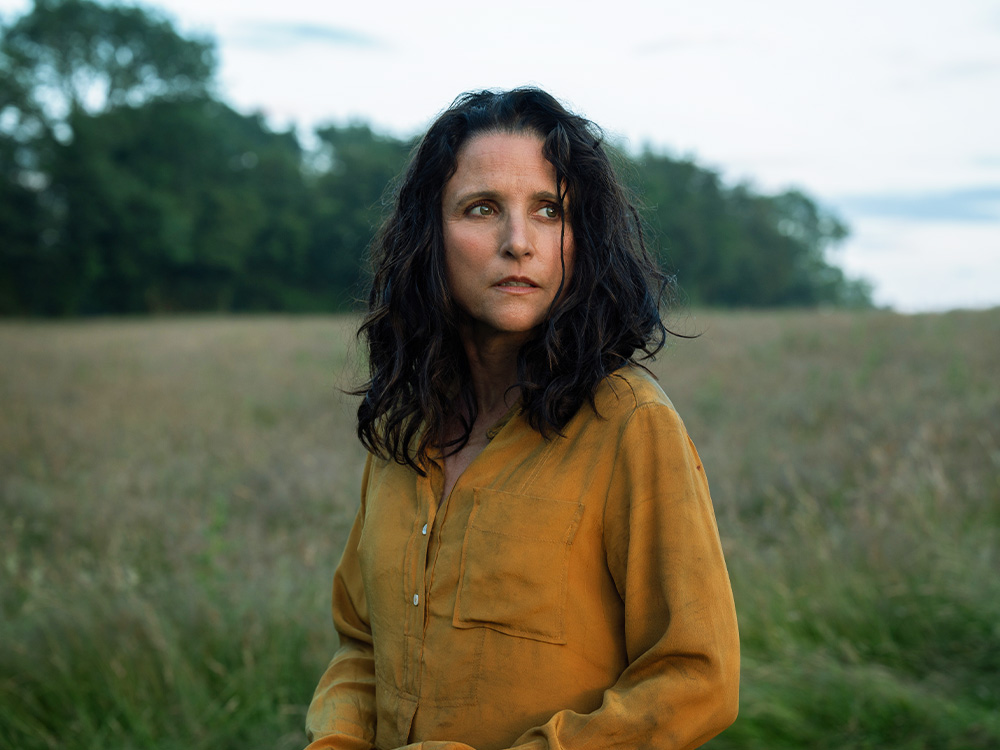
174	494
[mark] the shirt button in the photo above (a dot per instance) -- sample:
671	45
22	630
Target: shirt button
416	600
424	530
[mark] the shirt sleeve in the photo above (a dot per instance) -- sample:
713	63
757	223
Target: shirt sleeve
681	686
342	713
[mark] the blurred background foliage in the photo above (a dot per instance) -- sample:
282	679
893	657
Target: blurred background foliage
127	185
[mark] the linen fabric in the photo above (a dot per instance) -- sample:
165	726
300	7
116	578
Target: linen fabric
570	593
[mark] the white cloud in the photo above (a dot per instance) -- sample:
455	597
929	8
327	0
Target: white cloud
926	265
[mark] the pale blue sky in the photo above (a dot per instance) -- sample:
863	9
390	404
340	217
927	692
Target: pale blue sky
886	110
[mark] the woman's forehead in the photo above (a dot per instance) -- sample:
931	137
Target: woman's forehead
498	161
490	147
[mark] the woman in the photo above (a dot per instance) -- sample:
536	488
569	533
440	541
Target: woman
535	562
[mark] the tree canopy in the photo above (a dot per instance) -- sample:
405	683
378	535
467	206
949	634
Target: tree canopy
73	56
127	185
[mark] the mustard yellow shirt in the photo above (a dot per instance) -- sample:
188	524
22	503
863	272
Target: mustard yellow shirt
569	593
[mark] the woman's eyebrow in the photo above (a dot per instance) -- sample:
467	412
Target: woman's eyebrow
475	195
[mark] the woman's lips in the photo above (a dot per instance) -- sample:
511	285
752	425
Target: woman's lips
516	282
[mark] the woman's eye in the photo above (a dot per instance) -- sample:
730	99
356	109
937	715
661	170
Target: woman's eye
550	212
481	210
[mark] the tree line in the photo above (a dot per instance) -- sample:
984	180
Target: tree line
128	185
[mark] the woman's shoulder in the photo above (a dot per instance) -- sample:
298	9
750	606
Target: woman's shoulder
628	389
630	395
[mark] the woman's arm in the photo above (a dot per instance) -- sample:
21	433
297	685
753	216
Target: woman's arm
662	546
342	713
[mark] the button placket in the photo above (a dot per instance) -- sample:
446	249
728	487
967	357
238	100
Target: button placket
417	546
423	557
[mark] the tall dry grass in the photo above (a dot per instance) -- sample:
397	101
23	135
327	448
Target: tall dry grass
174	495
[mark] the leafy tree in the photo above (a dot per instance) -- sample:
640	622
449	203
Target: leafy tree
182	206
348	192
731	246
23	241
61	63
78	56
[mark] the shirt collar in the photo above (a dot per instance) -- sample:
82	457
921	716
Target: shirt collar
493	431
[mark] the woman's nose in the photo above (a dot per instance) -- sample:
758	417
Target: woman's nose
516	241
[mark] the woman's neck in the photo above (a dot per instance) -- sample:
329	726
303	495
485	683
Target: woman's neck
493	369
493	373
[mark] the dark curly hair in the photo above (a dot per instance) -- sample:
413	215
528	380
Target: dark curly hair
419	376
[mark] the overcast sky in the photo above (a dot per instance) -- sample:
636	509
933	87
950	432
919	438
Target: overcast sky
887	111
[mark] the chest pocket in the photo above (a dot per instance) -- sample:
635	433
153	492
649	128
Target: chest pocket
515	565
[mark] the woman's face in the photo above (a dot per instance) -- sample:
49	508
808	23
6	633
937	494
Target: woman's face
502	225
